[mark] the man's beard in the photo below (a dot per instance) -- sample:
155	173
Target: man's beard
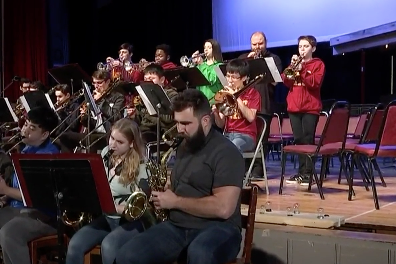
195	142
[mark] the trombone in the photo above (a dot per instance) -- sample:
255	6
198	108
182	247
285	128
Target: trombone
93	130
188	62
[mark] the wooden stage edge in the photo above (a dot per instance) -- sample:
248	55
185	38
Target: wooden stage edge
357	215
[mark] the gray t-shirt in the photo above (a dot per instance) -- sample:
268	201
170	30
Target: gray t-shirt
217	164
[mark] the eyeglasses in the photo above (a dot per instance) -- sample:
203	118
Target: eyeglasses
233	77
98	82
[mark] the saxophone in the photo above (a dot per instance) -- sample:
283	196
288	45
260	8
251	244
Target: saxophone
138	204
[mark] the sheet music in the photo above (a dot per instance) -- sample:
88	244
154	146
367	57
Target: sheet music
150	108
220	75
11	110
24	103
99	124
273	69
88	93
51	105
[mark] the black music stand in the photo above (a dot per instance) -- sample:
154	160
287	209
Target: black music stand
157	103
126	87
265	66
58	182
71	74
7	114
192	77
34	99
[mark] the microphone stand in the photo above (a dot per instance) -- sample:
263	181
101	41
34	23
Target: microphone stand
8	86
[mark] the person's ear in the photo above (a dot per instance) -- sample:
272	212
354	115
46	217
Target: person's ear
313	49
206	121
45	135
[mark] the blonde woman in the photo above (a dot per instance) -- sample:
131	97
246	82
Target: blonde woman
125	168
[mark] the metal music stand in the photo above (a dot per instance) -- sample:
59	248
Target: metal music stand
264	66
71	74
58	182
191	77
157	103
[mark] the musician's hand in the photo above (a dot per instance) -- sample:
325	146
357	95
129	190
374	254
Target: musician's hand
164	200
115	63
251	54
3	200
96	95
196	59
120	208
215	110
294	58
109	60
3	185
131	111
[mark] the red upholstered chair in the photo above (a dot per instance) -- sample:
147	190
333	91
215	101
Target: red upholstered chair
384	147
275	137
332	139
370	135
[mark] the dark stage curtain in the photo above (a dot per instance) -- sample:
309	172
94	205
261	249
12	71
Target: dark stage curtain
25	42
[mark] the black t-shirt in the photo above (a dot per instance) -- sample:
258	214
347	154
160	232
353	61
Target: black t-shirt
266	90
219	163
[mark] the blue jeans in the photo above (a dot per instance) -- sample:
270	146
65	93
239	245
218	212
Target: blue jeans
218	243
242	141
105	231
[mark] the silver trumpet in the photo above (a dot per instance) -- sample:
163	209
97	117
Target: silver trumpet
188	62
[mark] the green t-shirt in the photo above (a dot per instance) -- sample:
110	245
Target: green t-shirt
215	85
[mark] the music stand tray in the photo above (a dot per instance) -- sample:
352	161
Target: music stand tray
71	74
7	114
58	182
34	99
192	77
264	66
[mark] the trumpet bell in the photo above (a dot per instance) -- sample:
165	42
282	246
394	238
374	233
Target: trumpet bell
289	73
136	206
185	61
226	103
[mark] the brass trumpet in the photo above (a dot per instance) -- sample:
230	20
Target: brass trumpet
188	62
292	71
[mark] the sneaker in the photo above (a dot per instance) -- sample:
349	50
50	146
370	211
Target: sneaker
304	180
294	179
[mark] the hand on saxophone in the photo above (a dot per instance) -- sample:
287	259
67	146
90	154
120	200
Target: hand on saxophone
164	200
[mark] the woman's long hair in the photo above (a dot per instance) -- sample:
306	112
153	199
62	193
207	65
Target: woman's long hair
216	50
131	163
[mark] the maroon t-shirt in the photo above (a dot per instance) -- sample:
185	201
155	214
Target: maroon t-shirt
237	123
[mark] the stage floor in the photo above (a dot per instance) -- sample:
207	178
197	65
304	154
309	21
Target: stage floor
359	213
